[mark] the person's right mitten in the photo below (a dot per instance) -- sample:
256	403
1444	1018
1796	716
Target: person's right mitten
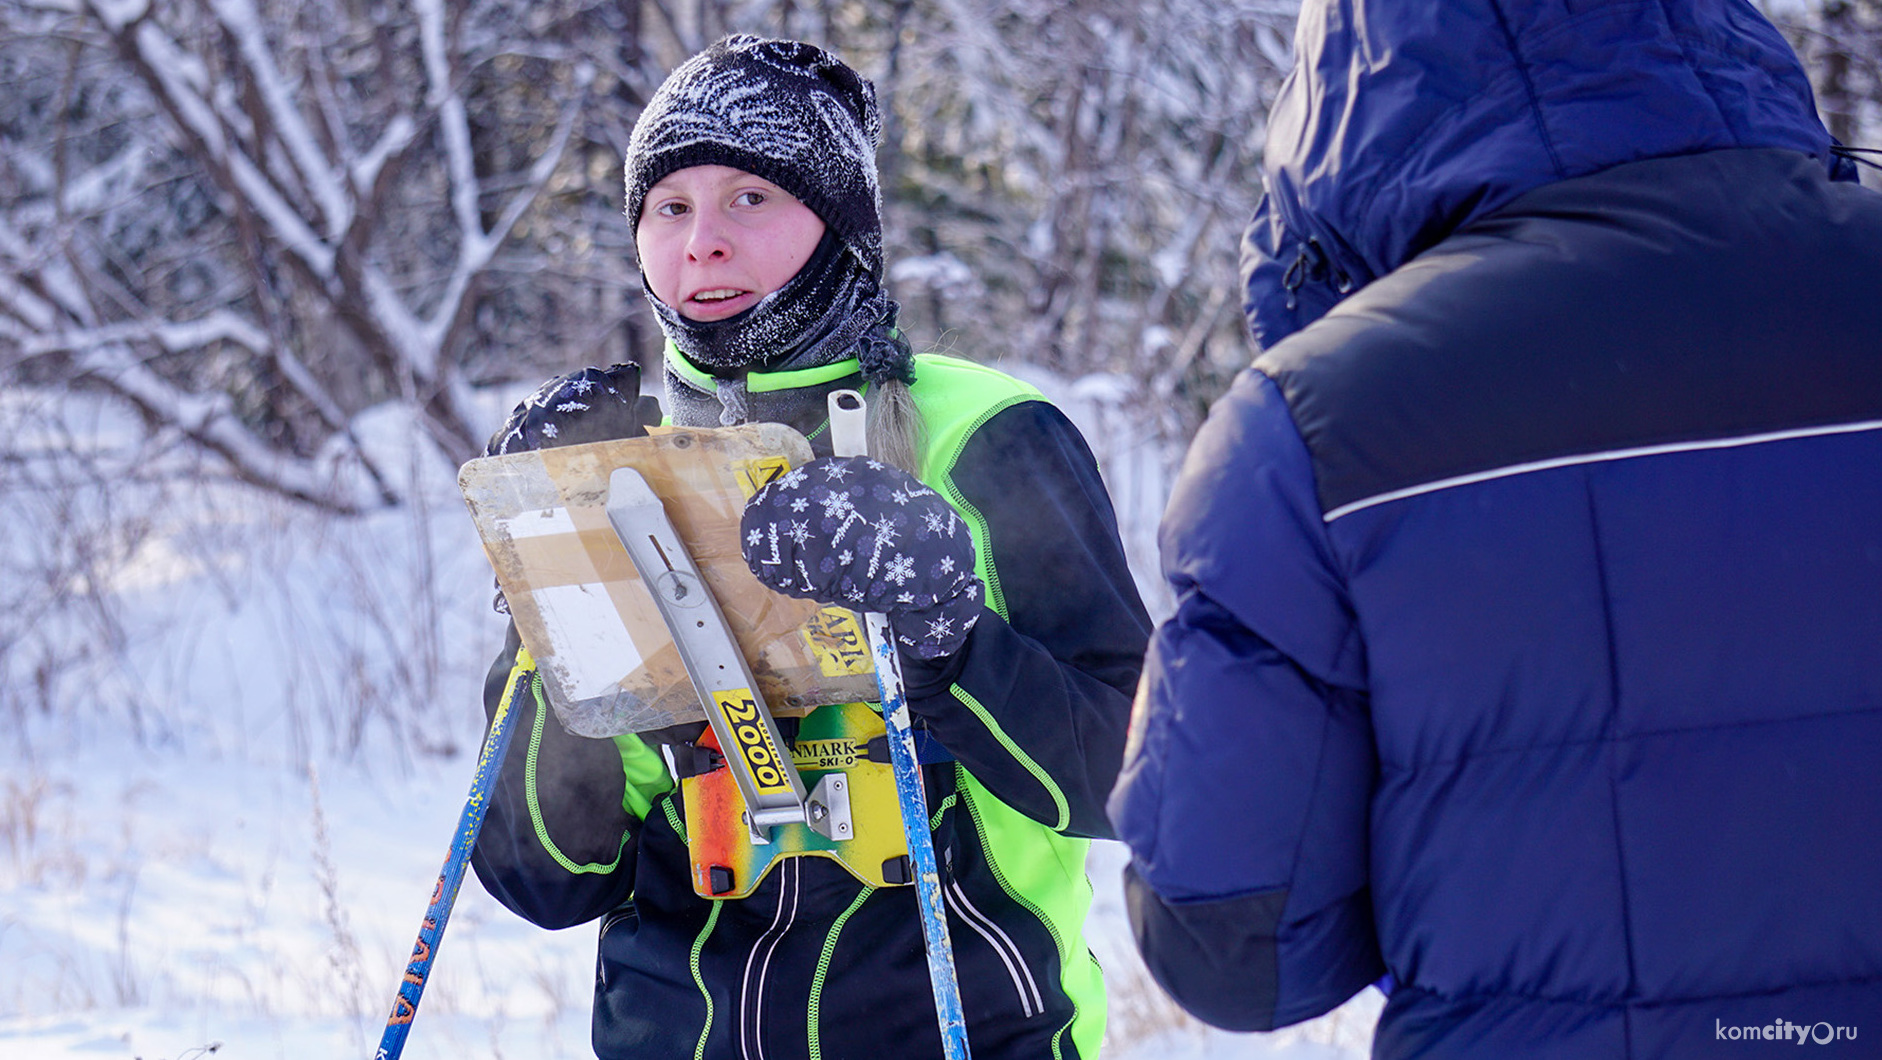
866	535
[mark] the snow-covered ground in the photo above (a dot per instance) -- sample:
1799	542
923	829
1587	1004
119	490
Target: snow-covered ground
234	746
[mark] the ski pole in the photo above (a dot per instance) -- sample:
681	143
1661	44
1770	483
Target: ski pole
444	894
849	437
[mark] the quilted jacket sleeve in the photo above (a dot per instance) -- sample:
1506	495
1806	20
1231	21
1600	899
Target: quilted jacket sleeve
1246	783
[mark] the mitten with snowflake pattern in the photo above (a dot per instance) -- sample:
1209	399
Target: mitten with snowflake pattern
591	405
868	536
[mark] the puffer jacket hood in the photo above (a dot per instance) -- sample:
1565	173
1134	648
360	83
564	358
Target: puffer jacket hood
1401	123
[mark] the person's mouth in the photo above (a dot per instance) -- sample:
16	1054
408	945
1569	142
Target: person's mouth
717	303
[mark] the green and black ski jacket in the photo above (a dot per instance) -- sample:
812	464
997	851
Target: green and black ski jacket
814	964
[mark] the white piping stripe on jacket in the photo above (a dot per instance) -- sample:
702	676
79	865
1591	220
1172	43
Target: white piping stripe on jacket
1030	1003
747	1028
1595	458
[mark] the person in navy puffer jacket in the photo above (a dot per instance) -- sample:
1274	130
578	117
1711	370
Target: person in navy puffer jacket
1528	642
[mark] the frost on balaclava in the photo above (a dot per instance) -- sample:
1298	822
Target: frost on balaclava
798	117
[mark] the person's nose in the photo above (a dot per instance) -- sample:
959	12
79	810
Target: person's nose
709	239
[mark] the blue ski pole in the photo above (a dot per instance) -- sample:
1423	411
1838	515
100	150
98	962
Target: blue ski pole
849	438
444	894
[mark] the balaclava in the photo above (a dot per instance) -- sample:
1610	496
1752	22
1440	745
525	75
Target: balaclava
798	117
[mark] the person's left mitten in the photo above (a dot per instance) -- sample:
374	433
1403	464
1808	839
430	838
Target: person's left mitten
591	405
868	536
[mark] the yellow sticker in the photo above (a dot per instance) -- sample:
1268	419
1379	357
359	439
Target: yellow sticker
740	710
838	642
754	475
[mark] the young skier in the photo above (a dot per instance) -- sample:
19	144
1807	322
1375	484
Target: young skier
751	182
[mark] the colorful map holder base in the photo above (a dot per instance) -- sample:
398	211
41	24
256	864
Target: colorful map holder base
831	740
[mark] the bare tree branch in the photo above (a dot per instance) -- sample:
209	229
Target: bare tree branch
305	211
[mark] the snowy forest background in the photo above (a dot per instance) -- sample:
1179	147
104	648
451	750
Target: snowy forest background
270	271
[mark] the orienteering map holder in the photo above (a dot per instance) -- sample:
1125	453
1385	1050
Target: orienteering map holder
754	751
751	805
606	655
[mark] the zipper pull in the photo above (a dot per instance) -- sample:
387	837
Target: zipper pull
1311	264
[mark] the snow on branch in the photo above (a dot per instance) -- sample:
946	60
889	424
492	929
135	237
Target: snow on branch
34	314
478	247
171	71
398	135
309	204
444	99
174	337
209	420
239	18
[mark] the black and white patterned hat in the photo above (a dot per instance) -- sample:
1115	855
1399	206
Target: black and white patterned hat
784	110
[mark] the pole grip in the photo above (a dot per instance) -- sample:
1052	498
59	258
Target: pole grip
849	423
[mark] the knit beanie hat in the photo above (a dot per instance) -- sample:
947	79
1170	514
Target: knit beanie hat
798	117
784	110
